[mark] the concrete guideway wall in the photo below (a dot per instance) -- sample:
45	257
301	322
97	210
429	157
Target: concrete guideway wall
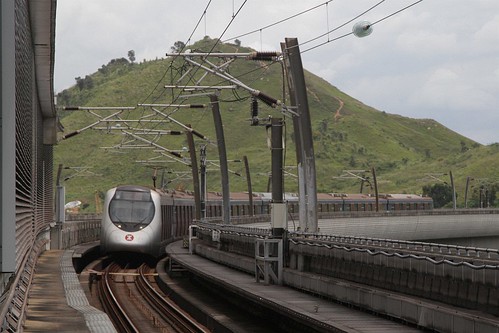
415	227
471	286
427	314
380	281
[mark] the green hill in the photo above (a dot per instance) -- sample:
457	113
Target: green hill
347	134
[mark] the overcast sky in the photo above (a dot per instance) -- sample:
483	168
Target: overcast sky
437	59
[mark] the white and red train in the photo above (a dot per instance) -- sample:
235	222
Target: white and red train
143	220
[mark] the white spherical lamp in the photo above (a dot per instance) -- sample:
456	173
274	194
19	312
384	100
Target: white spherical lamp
362	29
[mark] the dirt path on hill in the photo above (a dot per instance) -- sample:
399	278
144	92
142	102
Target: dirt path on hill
337	115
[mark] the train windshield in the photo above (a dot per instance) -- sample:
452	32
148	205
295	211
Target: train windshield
131	210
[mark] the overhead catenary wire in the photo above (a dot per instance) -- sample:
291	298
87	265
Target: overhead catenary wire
351	33
234	16
279	22
342	25
171	64
217	41
396	12
176	98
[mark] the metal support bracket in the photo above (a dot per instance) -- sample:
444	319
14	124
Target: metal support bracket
268	260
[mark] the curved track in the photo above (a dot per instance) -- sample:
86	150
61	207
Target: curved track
111	304
132	301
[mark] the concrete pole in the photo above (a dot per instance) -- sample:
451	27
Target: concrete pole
203	181
296	80
250	189
60	198
195	174
222	155
376	193
277	160
466	192
302	190
453	190
279	209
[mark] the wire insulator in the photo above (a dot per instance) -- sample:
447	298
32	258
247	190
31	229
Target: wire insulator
71	108
197	106
199	135
174	153
254	107
67	136
264	56
254	111
270	101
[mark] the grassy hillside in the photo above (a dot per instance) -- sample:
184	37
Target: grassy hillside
347	134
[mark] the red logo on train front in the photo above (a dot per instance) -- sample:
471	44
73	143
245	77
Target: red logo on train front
129	237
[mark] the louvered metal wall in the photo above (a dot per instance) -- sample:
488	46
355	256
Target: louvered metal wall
27	204
33	159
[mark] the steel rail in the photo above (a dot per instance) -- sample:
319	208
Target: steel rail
111	305
169	311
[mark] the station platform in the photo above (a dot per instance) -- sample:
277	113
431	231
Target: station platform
326	315
57	302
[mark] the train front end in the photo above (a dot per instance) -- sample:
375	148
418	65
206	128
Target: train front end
131	221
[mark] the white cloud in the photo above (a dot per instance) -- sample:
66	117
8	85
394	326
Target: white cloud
488	34
427	43
437	59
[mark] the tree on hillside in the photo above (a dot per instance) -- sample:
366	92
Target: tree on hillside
441	194
484	196
86	83
177	46
131	56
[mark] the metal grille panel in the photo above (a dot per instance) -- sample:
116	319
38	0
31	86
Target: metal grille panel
26	162
25	129
33	159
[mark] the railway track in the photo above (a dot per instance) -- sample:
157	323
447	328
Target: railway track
131	299
111	304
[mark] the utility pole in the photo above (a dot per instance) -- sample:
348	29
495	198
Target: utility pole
279	207
303	134
250	189
60	196
222	155
376	193
453	190
466	191
203	180
302	191
195	174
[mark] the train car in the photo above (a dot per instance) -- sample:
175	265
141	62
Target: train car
396	202
177	212
131	221
139	219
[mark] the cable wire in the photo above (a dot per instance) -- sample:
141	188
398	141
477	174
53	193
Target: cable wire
171	63
351	33
342	25
278	22
176	98
395	13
